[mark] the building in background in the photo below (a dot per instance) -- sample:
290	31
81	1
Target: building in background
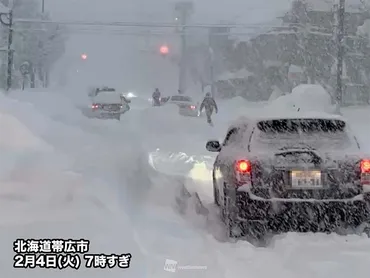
305	40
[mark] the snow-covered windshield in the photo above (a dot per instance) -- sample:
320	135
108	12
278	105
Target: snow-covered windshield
107	97
307	126
298	133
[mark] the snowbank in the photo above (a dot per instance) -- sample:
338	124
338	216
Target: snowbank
76	188
50	103
181	163
50	107
15	135
17	142
276	93
305	98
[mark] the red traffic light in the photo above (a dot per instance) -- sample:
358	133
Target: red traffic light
164	50
83	56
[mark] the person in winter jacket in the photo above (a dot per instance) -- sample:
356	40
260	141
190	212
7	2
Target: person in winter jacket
125	103
156	97
209	104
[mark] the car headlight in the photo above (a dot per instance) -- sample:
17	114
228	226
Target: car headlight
131	95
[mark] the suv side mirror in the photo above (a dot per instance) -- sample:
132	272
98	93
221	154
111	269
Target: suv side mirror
213	146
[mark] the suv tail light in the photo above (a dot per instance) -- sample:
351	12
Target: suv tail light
95	106
192	107
243	170
365	166
243	166
365	172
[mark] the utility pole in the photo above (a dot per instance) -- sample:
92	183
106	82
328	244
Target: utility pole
9	24
340	50
211	70
184	9
10	52
45	74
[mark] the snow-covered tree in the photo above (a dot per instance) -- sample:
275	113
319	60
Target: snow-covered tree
39	44
306	39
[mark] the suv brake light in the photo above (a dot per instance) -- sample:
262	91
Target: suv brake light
365	172
243	166
365	166
243	170
95	106
192	107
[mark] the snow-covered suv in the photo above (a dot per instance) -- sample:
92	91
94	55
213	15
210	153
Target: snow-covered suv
302	172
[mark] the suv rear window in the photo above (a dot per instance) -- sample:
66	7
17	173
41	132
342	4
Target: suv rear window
181	98
309	126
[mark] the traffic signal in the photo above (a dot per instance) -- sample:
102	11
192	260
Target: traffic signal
164	50
84	56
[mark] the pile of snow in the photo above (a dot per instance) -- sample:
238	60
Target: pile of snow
59	107
305	98
15	135
64	183
16	141
276	93
50	103
180	163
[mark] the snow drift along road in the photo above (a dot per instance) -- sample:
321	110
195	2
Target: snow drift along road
67	185
305	97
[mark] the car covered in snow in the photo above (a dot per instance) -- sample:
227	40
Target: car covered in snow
304	172
187	105
107	103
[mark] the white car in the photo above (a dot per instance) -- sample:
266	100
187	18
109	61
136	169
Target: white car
303	173
187	106
106	103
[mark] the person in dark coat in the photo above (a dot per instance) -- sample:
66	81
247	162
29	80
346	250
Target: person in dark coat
156	97
209	104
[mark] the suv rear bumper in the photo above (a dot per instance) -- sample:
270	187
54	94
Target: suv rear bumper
303	215
188	112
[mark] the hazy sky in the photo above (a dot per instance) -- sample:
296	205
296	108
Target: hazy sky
131	62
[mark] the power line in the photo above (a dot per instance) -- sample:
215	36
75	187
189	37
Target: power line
142	24
134	33
257	28
151	32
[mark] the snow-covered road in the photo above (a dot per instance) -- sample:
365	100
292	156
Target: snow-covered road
114	183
